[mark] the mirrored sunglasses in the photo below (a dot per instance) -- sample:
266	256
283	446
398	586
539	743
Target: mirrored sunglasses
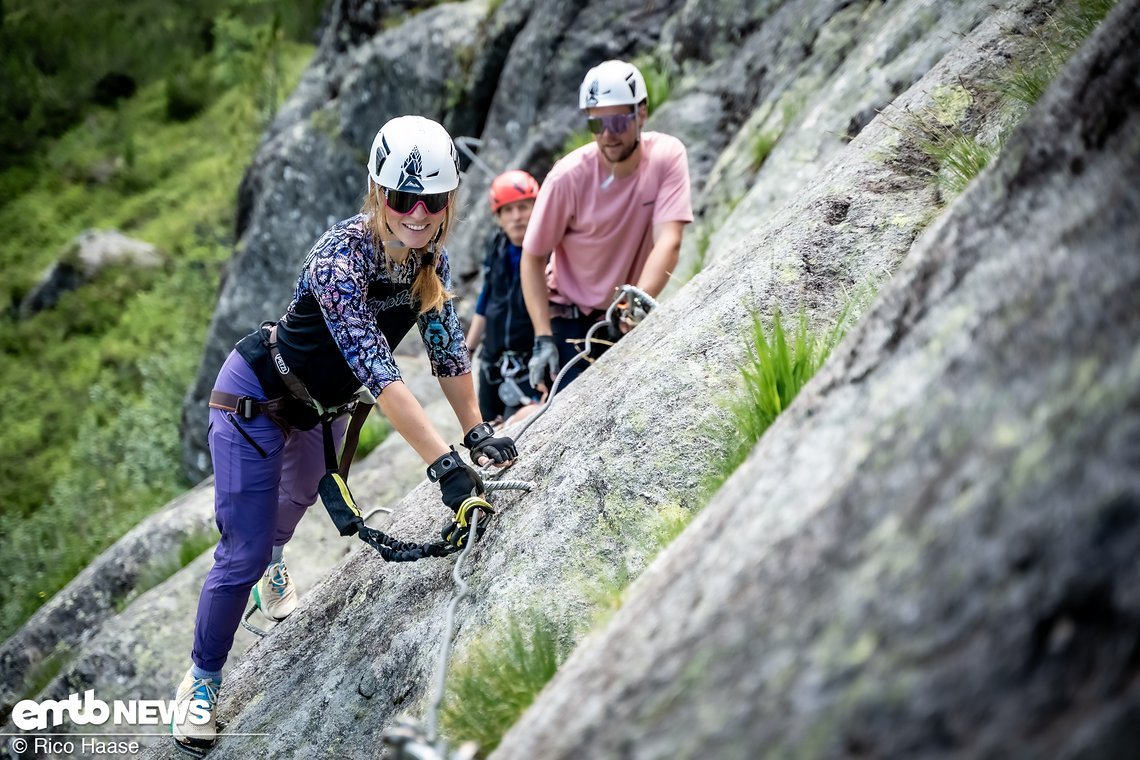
405	203
616	124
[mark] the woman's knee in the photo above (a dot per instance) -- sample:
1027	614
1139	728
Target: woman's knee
243	569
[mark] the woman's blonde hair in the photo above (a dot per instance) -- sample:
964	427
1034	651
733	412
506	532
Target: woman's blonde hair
427	290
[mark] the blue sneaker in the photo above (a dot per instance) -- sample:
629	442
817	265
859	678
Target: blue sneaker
194	697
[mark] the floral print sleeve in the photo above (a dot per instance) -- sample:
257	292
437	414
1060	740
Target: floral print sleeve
337	274
443	334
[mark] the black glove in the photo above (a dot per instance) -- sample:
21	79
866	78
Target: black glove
457	481
481	441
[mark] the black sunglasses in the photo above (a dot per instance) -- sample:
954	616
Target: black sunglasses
405	203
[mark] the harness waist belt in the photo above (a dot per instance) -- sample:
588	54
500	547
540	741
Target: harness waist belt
244	406
570	311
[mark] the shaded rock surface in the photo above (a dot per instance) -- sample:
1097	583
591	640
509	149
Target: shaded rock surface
932	552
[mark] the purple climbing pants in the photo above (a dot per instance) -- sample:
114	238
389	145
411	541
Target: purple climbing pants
258	501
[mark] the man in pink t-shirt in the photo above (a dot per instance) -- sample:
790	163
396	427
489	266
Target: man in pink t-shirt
612	212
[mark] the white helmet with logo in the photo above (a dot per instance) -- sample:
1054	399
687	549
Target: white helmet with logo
613	83
413	154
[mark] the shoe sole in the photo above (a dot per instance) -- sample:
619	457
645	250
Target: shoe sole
193	747
257	602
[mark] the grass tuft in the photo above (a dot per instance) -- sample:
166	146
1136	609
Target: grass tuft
958	156
703	239
500	676
1073	23
45	671
658	80
774	371
762	146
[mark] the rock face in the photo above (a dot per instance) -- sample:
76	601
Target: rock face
86	256
905	564
91	598
806	75
932	553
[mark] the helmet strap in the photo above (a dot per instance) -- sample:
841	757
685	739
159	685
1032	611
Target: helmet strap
395	242
427	257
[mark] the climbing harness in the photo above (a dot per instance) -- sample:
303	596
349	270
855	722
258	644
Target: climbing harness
333	488
510	365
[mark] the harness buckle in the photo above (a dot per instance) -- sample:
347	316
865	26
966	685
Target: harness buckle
245	408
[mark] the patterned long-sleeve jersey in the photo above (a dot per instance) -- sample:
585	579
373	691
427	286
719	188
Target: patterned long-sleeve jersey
350	309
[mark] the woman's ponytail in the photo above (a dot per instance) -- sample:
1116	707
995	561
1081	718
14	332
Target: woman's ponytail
427	290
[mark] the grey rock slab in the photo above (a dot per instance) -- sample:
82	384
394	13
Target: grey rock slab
932	552
624	444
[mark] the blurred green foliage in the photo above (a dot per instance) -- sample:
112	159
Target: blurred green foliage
61	58
94	385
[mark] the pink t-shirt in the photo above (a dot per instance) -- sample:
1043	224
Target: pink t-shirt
601	238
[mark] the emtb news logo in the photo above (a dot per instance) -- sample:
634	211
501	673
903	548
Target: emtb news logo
29	715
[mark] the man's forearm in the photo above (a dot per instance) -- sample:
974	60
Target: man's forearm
658	267
532	272
662	260
475	333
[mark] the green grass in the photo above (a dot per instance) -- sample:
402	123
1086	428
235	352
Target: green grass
776	367
58	54
43	672
658	80
94	386
762	146
490	687
959	157
376	429
703	239
499	676
1074	22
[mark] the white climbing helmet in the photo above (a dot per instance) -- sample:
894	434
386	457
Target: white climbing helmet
413	154
613	83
